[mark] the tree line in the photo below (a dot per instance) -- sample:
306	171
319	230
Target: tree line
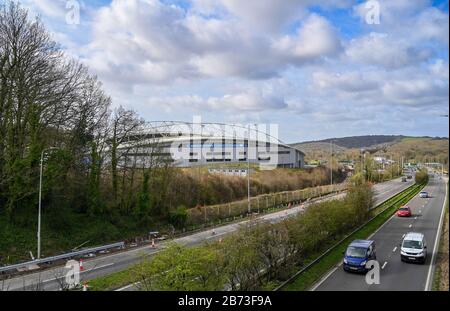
50	100
259	254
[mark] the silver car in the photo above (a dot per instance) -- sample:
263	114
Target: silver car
423	194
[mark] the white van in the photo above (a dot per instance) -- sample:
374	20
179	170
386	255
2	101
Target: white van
414	248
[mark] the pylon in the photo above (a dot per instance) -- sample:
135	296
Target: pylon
81	264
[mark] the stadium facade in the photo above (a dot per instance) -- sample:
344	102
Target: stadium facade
193	144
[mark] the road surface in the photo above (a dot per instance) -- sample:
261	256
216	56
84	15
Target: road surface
100	266
395	274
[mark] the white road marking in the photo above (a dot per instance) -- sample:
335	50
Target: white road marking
410	225
384	265
395	248
403	235
126	287
99	267
216	235
376	231
87	270
324	278
415	218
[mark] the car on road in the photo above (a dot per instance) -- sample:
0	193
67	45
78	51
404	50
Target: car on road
409	176
404	179
358	253
413	248
404	211
423	194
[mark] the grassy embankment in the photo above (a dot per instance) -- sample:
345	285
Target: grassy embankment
67	229
441	274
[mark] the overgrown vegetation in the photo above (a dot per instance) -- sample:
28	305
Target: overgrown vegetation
422	176
256	255
441	274
92	191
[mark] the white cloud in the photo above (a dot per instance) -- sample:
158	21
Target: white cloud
54	8
381	49
159	43
250	100
267	15
348	82
267	59
314	39
418	92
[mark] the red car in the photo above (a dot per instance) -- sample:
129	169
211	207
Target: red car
404	211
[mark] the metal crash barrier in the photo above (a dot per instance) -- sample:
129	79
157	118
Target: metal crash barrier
62	256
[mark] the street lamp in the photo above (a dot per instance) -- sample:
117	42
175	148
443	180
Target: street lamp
248	172
40	204
331	163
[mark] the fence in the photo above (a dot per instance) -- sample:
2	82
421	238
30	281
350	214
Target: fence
216	213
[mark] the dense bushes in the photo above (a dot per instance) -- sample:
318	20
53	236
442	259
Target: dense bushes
258	253
422	176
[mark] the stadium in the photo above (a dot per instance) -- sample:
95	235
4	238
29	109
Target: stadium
186	144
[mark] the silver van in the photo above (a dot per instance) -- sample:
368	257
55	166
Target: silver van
414	248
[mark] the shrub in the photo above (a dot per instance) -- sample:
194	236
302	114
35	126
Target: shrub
422	176
178	217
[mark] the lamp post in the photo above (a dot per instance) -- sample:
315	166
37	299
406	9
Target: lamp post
248	172
40	203
331	163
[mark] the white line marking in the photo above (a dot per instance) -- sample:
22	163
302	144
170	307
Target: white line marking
99	267
216	235
87	270
436	242
415	218
403	235
395	248
410	225
384	265
376	231
126	287
324	279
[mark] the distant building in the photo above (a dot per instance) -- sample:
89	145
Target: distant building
182	145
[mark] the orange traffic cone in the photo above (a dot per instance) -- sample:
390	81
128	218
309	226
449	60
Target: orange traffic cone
81	264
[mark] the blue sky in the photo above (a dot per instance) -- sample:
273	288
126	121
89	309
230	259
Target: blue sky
318	69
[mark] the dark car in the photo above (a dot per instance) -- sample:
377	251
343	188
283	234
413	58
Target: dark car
358	253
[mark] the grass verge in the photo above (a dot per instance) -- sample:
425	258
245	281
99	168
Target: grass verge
441	273
112	281
319	269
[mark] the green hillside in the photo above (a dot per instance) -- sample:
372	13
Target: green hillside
419	149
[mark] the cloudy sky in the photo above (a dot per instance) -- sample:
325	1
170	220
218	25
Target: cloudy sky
319	69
